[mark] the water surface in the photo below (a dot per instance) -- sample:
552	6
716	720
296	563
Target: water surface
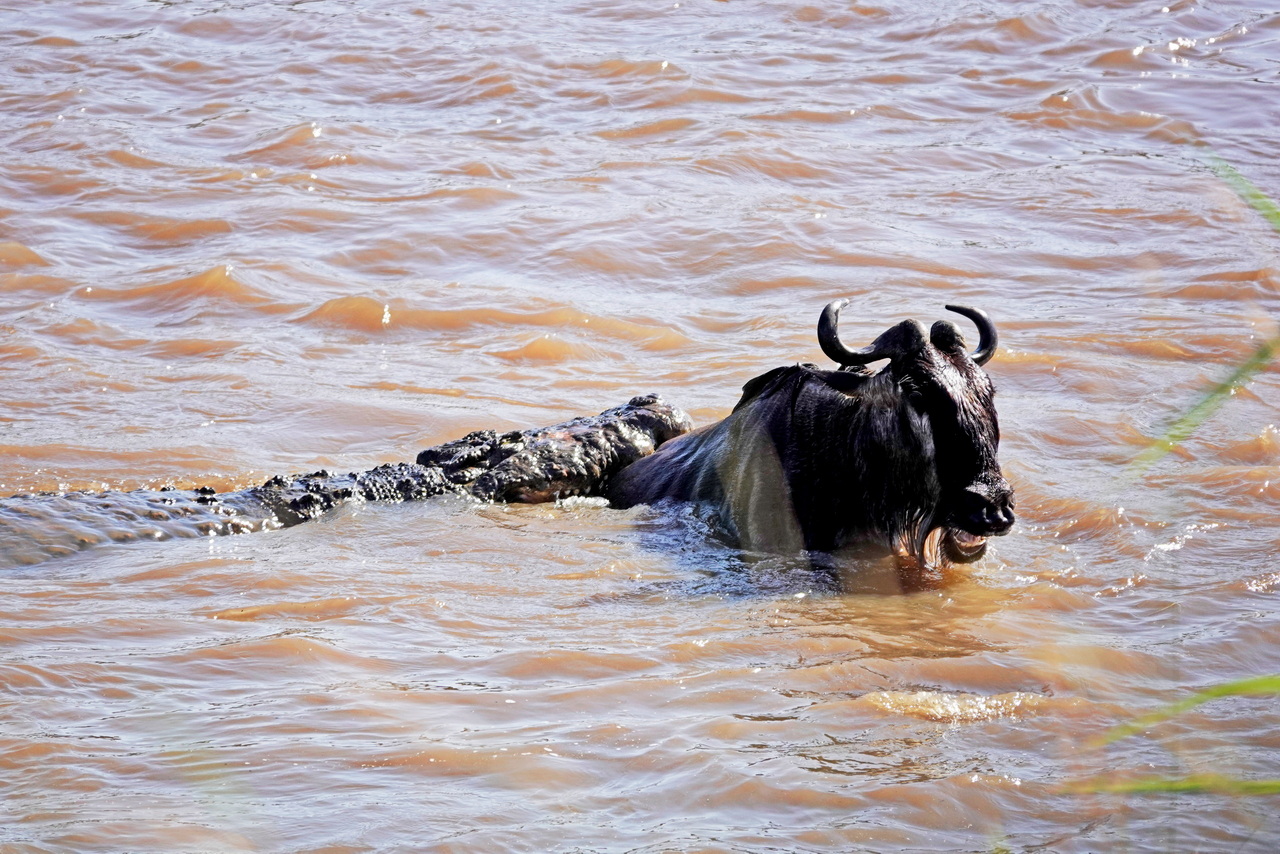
240	239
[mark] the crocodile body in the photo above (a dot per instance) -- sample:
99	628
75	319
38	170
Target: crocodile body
577	457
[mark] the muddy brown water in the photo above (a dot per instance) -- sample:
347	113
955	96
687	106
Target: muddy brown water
247	238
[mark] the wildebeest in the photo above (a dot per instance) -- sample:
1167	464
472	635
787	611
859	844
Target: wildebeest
901	460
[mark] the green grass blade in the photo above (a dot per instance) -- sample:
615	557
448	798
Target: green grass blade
1209	784
1245	189
1252	687
1189	421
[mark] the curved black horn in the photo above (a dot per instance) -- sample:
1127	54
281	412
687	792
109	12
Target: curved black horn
830	339
987	338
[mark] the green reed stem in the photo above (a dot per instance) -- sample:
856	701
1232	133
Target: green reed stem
1212	784
1245	189
1196	783
1251	687
1187	423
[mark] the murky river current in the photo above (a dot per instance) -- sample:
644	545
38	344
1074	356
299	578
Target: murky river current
240	239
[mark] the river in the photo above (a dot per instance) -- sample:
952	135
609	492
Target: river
240	239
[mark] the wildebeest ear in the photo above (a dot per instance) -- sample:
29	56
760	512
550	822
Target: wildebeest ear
946	337
763	384
846	380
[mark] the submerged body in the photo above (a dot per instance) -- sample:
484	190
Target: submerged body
902	461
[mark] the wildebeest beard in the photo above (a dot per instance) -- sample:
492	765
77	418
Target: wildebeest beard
902	461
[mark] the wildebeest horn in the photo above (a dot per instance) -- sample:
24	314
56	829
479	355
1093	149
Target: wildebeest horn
987	338
830	339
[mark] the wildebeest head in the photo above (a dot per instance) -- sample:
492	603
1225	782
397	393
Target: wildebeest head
950	399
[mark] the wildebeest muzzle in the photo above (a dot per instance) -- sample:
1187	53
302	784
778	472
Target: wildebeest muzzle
985	509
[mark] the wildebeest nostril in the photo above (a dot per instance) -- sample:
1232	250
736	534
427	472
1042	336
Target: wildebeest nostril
996	519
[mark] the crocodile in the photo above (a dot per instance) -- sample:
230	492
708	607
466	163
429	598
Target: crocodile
574	458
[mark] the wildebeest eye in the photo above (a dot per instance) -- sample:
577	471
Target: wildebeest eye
911	391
